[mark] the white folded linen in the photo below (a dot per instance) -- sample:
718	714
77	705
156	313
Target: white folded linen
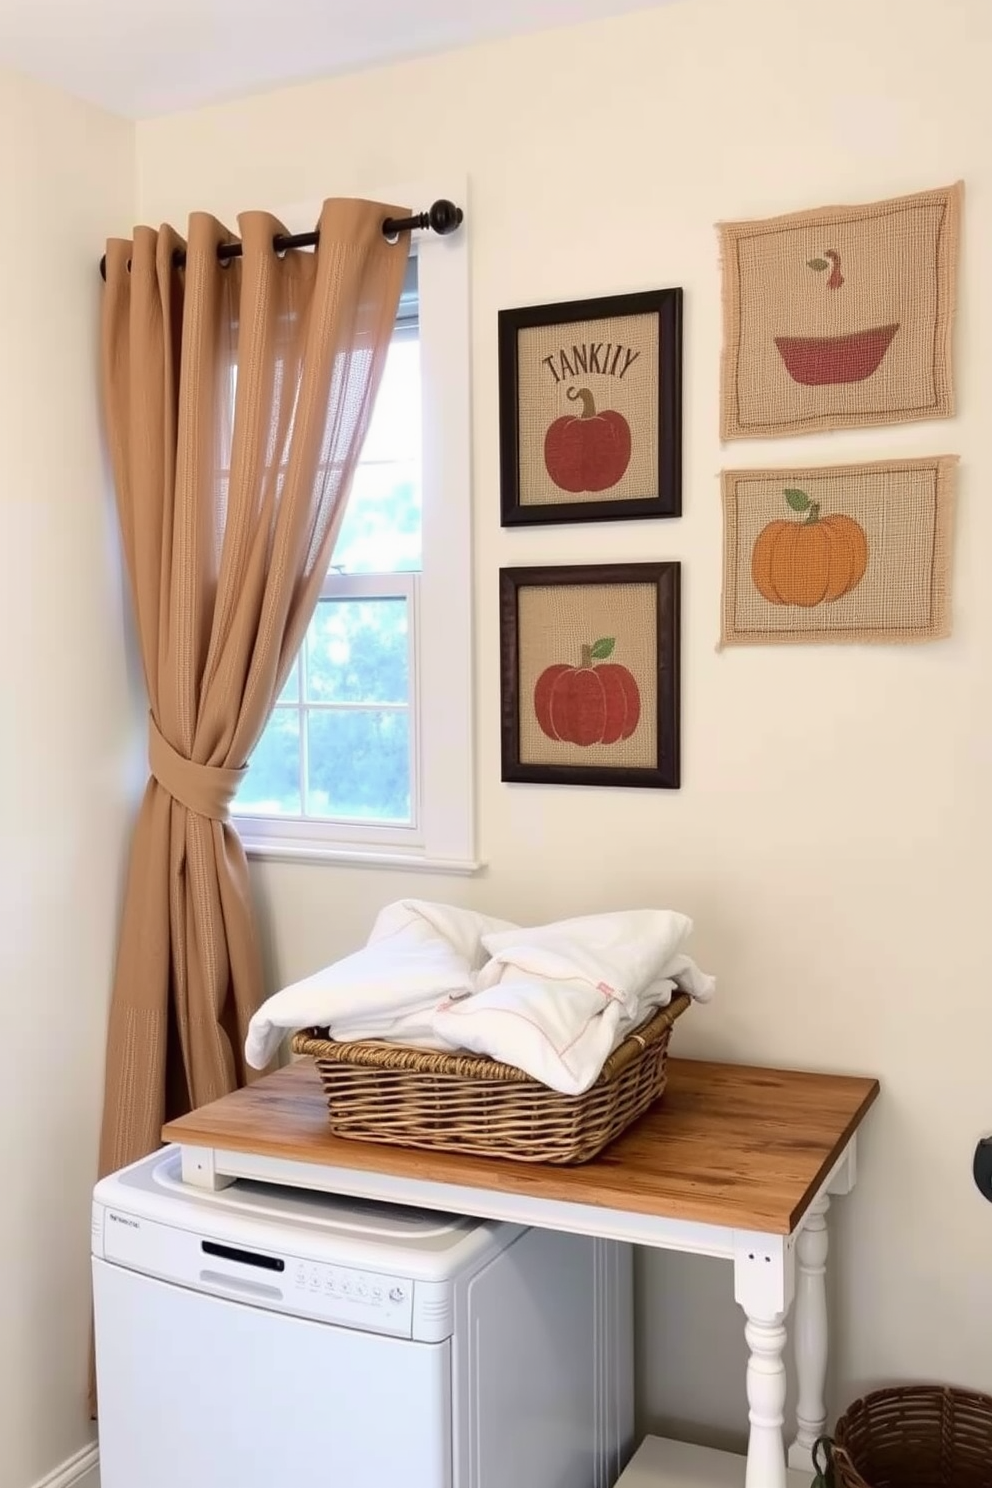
557	999
554	1000
560	1033
417	954
620	953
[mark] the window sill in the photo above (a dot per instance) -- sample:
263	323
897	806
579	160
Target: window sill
359	857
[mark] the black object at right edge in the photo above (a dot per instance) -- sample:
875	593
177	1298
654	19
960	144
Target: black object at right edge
983	1168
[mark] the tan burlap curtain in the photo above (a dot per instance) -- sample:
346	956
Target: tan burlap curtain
237	397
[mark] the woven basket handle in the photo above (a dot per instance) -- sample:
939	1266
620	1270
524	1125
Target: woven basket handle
825	1473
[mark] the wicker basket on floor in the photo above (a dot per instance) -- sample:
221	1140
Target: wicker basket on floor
915	1437
464	1103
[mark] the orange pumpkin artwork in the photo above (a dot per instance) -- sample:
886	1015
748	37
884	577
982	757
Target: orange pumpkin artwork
812	561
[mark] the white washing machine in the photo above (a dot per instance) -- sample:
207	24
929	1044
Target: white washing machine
267	1337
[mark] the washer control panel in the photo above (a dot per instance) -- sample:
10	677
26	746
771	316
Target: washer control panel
374	1301
359	1299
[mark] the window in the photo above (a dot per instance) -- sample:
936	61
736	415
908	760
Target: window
368	753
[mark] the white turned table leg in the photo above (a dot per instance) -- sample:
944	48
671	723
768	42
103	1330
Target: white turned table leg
810	1334
766	1381
764	1275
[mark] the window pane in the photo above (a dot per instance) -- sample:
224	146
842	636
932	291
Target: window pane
394	432
359	764
381	528
357	652
291	688
272	784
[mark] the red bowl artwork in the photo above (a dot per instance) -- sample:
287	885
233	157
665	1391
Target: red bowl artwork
817	360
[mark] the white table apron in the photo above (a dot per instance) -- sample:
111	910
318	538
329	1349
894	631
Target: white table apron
770	1273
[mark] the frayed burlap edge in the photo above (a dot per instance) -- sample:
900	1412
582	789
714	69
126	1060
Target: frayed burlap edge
947	271
939	628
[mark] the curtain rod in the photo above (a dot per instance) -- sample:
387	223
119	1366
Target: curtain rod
443	218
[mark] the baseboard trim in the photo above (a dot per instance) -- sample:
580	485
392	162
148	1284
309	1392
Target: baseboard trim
78	1471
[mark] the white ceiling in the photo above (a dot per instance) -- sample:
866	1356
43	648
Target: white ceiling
147	57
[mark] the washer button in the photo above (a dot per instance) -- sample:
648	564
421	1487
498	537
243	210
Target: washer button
396	1294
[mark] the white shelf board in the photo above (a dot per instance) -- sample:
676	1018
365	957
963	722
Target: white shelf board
659	1463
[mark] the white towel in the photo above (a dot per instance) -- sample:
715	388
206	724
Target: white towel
621	953
556	1000
417	954
553	1000
419	922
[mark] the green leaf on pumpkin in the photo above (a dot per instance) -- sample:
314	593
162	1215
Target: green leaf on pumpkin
603	648
798	500
819	264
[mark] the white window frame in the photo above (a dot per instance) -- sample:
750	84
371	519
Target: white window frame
441	837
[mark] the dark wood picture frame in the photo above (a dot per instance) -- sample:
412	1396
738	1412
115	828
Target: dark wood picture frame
665	499
666	578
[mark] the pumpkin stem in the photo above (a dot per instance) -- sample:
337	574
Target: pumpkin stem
588	402
586	657
814	514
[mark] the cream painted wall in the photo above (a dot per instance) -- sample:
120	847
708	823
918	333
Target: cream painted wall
832	836
66	178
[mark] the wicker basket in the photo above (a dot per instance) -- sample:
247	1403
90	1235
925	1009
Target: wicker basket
916	1437
463	1103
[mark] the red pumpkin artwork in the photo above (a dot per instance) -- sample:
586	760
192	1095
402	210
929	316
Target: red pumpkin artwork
589	451
588	704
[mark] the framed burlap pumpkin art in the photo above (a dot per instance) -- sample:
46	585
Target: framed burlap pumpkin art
590	405
840	317
838	553
590	674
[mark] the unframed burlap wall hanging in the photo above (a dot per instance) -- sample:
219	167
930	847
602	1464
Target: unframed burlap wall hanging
838	553
840	317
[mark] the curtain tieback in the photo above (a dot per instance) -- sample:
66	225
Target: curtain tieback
207	790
